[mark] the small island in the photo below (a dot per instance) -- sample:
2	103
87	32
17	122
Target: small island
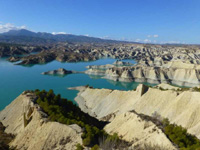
60	71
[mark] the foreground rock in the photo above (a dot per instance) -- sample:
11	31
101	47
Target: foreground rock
180	107
128	125
135	129
32	129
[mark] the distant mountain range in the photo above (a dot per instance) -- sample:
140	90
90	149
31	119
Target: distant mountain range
24	36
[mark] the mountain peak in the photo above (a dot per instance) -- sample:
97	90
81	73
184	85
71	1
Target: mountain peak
24	36
21	32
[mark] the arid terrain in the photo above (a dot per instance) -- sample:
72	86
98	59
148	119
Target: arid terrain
136	119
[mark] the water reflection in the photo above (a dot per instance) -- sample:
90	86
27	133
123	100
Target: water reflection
16	78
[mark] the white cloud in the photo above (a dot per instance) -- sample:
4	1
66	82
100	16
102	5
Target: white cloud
8	26
137	40
86	34
147	41
154	36
58	33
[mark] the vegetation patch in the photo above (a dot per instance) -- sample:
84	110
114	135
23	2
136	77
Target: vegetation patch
179	136
196	89
64	111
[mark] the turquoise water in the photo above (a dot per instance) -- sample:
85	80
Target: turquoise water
14	79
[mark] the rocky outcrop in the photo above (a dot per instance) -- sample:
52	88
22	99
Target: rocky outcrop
175	72
142	89
40	58
48	56
60	71
13	58
98	72
9	50
180	107
123	101
121	63
32	129
100	67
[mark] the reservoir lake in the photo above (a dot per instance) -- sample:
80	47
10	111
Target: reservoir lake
14	79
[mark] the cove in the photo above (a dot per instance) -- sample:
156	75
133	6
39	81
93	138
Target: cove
14	79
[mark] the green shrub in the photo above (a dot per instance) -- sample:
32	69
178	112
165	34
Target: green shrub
95	147
79	147
87	141
180	137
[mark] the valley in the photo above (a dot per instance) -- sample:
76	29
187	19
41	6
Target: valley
105	88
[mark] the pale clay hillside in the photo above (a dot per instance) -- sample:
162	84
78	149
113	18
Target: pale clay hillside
182	108
39	133
52	135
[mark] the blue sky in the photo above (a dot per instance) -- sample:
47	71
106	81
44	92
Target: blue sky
157	21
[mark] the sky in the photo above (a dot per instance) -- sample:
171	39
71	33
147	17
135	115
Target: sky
150	21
